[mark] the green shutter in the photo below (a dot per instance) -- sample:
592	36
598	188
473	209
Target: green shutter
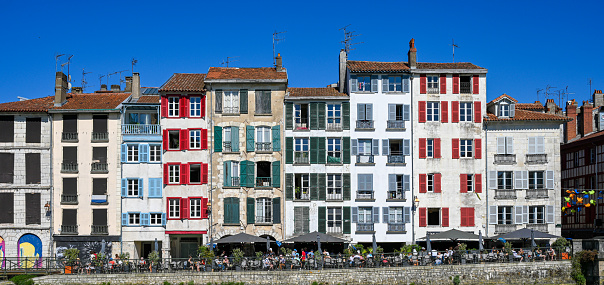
227	174
218	100
322	186
314	116
321	155
346	115
314	150
346	150
217	139
289	116
243	173
346	186
276	210
249	138
243	101
276	174
321	116
251	213
289	150
234	211
250	174
314	187
289	186
322	219
276	138
227	211
346	220
235	139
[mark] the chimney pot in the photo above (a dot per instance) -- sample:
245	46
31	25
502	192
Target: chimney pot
76	90
279	63
136	86
60	88
103	87
412	54
128	87
115	88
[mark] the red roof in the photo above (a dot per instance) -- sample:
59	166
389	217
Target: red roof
525	115
530	106
249	73
94	101
450	65
401	66
184	82
315	92
32	105
149	99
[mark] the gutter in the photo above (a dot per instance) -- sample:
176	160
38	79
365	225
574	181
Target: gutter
486	167
51	190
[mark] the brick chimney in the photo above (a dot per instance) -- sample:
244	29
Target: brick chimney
588	118
136	86
103	87
598	98
343	59
279	63
60	88
128	87
77	90
550	106
571	126
115	88
412	54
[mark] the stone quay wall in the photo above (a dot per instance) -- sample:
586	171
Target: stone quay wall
552	272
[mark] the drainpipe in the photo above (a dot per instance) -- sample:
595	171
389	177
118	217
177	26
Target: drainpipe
412	166
210	125
486	167
51	247
121	175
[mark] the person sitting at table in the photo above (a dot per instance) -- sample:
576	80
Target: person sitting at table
517	255
439	259
226	262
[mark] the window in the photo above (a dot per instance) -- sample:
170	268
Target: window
504	110
334	116
365	186
334	150
263	174
195	139
174	208
7	125
505	145
334	220
301	220
263	139
99	186
155	219
394	84
174	139
470	182
301	116
465	86
32	168
7	167
154	153
465	111
32	209
365	215
432	84
136	119
134	219
195	106
536	146
195	208
364	113
301	154
536	180
395	187
536	215
231	102
364	83
194	173
302	187
264	210
334	187
465	148
432	111
33	130
364	147
263	101
173	106
173	173
133	188
132	155
7	203
433	216
430	182
504	215
429	147
504	180
232	174
395	215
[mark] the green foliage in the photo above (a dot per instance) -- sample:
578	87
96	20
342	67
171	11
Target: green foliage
318	254
576	273
204	252
191	283
181	283
285	251
238	255
456	280
167	283
71	255
258	255
98	261
507	247
23	279
154	256
125	256
106	283
560	244
407	248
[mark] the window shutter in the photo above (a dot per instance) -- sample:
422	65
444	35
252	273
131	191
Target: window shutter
249	138
518	180
144	219
251	213
346	220
385	215
454	111
125	217
369	112
217	139
406	147
455	154
385	83
243	173
445	217
163	219
184	174
501	145
346	186
142	152
166	175
518	219
321	154
276	131
463	217
512	110
525	213
322	219
492	215
444	111
463	183
184	208
184	107
124	187
204	138
355	215
354	87
422	217
202	107
374	83
475	84
243	101
437	184
289	150
289	186
250	174
376	215
391	182
406	182
478	183
361	112
277	174
321	117
549	182
314	116
422	84
314	150
437	148
322	186
493	179
184	139
532	145
391	112
423	178
375	147
314	187
406	83
124	152
164	107
277	210
477	112
549	214
422	148
154	188
385	147
289	115
525	183
346	150
422	111
455	83
218	94
509	141
165	139
140	188
443	84
470	217
478	148
540	144
354	147
406	112
406	215
204	173
346	115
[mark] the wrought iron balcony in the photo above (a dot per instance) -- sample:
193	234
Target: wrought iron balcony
536	194
263	182
432	90
365	195
227	147
99	167
504	229
336	197
141	129
100	137
99	230
69	229
301	157
364	227
235	182
69	167
505	158
365	158
230	110
396	227
334	230
69	137
505	194
333	127
264	146
364	124
396	124
536	158
465	87
396	157
396	195
538	227
69	199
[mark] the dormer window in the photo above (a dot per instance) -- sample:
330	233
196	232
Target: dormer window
504	110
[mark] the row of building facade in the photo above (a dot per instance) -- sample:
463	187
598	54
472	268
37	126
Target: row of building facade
394	149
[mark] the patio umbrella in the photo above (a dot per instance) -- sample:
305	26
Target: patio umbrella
312	237
268	244
374	245
319	243
240	238
428	243
480	246
156	244
525	234
453	235
533	244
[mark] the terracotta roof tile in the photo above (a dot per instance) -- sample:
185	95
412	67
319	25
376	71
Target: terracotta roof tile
530	106
149	99
525	115
32	105
184	82
501	97
317	92
95	101
591	136
447	65
245	73
376	66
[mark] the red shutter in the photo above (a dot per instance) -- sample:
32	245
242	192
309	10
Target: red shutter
455	150
422	217
443	84
204	208
470	216
166	175
463	183
478	183
184	139
475	84
455	83
454	111
422	111
478	148
204	173
203	106
444	111
184	107
437	148
464	217
422	84
184	207
422	183
204	138
184	174
164	106
422	148
437	178
165	139
445	217
477	112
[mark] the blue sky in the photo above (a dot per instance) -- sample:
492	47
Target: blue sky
525	45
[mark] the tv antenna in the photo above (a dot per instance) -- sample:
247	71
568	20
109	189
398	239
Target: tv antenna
454	46
589	82
565	93
68	63
101	80
57	56
84	82
538	91
133	62
120	77
276	40
229	60
348	37
109	75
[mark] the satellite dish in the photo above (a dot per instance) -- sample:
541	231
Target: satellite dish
68	85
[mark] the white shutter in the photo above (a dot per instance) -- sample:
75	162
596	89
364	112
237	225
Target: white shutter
385	147
492	215
407	215
406	84
518	180
540	145
369	112
518	219
354	147
375	147
385	82
361	112
525	213
549	181
374	83
501	145
385	213
376	215
391	182
532	145
391	112
406	147
525	178
512	110
492	179
406	112
406	182
549	214
509	142
354	87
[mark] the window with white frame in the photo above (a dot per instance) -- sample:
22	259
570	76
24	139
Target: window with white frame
132	155
301	114
364	83
302	187
394	84
334	150
195	106
133	188
465	148
365	215
505	215
470	182
334	116
174	139
432	111
395	215
263	139
154	153
334	187
334	219
301	150
536	180
433	216
536	215
430	182
230	102
174	208
264	210
173	106
364	147
195	139
504	180
465	111
134	219
429	147
174	173
194	173
365	186
504	110
432	81
195	207
155	219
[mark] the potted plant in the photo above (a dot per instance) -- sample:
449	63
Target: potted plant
207	254
125	258
237	257
507	248
71	256
258	255
462	251
154	259
99	262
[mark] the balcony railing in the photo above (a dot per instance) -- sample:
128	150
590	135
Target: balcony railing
536	158
99	230
227	147
69	137
364	158
432	90
396	195
99	167
365	195
69	199
301	124
396	124
100	137
396	157
333	127
364	227
141	129
303	196
505	194
538	227
364	124
536	193
504	229
264	146
334	158
337	197
230	110
263	182
69	167
396	227
301	157
505	158
334	230
235	181
69	229
264	220
465	87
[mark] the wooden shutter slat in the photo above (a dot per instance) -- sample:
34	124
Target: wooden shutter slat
422	217
455	148
455	83
445	217
454	111
444	111
443	84
463	183
437	148
478	183
478	148
422	148
437	184
423	178
477	112
422	111
475	84
422	84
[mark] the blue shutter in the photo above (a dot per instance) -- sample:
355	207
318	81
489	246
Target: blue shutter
124	189
376	147
250	181
124	152
354	147
124	219
151	187
406	147
235	139
163	219
407	215
140	188
406	182
385	82
353	83
143	152
391	182
355	215
276	138
243	173
374	83
376	215
369	112
227	174
145	219
405	83
406	112
249	138
361	112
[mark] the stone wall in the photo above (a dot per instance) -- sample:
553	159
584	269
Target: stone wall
556	272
